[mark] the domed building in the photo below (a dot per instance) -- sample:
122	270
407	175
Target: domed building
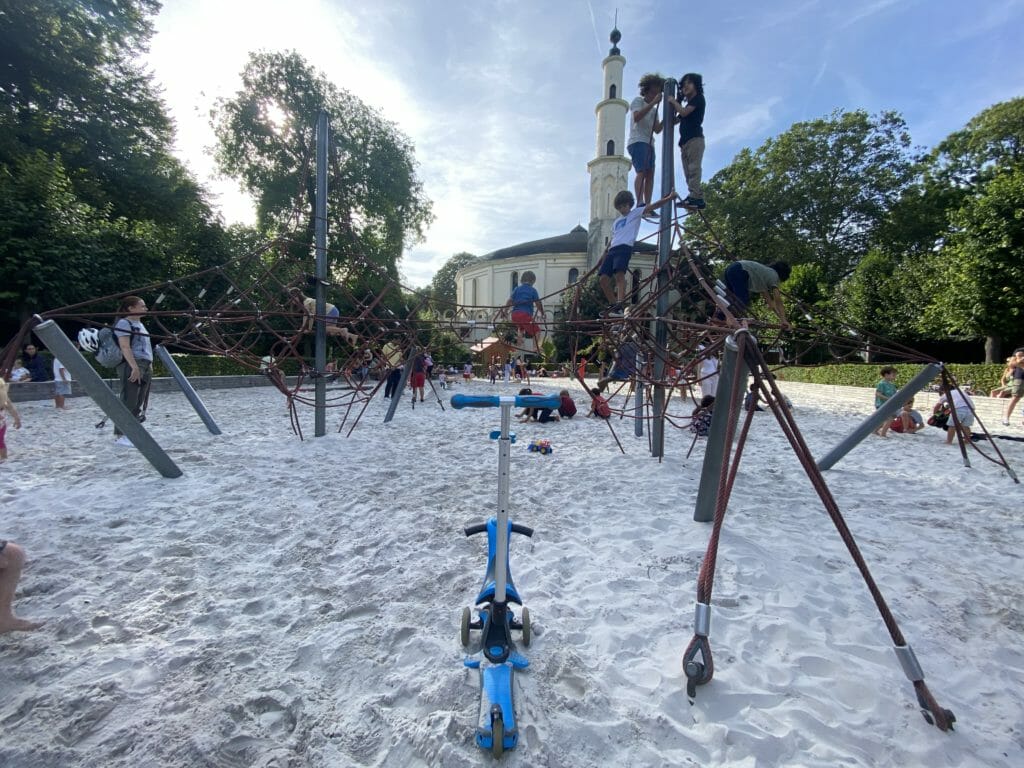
559	261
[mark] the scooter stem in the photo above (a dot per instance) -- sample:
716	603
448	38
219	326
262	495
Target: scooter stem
504	460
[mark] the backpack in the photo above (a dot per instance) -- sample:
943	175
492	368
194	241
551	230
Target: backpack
108	353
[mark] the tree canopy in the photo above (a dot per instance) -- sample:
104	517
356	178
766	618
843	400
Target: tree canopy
92	201
442	288
266	139
816	193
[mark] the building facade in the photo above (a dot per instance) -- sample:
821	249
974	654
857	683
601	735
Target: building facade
559	261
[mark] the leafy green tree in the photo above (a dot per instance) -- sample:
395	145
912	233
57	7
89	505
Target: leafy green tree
266	140
442	288
975	272
85	143
814	194
976	277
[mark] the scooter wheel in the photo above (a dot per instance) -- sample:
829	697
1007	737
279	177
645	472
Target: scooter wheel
464	630
525	621
497	736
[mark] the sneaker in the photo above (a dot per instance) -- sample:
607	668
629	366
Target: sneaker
615	310
696	202
1006	422
124	442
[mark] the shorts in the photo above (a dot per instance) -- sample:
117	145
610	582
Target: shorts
417	380
62	388
333	316
616	260
965	417
643	156
524	322
544	416
738	282
1017	388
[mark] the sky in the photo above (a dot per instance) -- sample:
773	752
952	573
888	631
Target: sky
498	96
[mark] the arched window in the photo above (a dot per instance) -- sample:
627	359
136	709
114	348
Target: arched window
574	275
610	149
515	280
634	291
611	91
472	291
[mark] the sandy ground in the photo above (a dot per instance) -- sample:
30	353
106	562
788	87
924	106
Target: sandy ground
290	603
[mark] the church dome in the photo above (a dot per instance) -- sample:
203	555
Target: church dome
575	241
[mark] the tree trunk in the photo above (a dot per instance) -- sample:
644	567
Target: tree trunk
993	349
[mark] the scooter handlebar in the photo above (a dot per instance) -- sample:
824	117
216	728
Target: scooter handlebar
472	530
493	401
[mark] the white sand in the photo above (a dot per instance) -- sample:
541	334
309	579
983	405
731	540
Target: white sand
292	603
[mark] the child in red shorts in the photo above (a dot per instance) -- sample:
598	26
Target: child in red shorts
522	300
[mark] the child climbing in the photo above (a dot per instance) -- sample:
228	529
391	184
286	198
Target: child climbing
700	419
643	124
332	317
615	262
690	117
524	297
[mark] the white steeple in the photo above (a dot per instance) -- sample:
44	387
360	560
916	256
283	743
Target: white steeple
609	170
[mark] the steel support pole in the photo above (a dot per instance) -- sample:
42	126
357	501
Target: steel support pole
659	397
880	415
320	362
186	386
715	450
638	395
111	405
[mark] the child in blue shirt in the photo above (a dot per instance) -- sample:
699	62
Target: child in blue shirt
523	297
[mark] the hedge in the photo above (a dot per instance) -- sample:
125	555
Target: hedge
982	377
203	365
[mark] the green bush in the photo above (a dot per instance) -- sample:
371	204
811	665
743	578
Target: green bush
982	377
202	365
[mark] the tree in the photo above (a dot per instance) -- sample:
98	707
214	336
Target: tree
975	273
266	140
814	194
442	288
100	203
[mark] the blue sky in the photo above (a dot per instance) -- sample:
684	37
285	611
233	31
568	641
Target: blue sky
498	96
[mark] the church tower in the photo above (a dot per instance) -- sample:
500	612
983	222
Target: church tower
609	170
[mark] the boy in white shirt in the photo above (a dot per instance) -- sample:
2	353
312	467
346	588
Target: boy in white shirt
615	262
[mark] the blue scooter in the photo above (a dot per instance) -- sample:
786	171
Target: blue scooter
497	729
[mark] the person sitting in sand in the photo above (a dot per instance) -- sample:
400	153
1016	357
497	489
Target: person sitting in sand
543	415
1003	390
700	419
332	317
907	421
598	405
12	560
750	402
21	373
566	405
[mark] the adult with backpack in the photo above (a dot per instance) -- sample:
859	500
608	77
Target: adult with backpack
136	369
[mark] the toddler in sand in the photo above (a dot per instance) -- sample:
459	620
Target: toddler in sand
6	406
12	558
